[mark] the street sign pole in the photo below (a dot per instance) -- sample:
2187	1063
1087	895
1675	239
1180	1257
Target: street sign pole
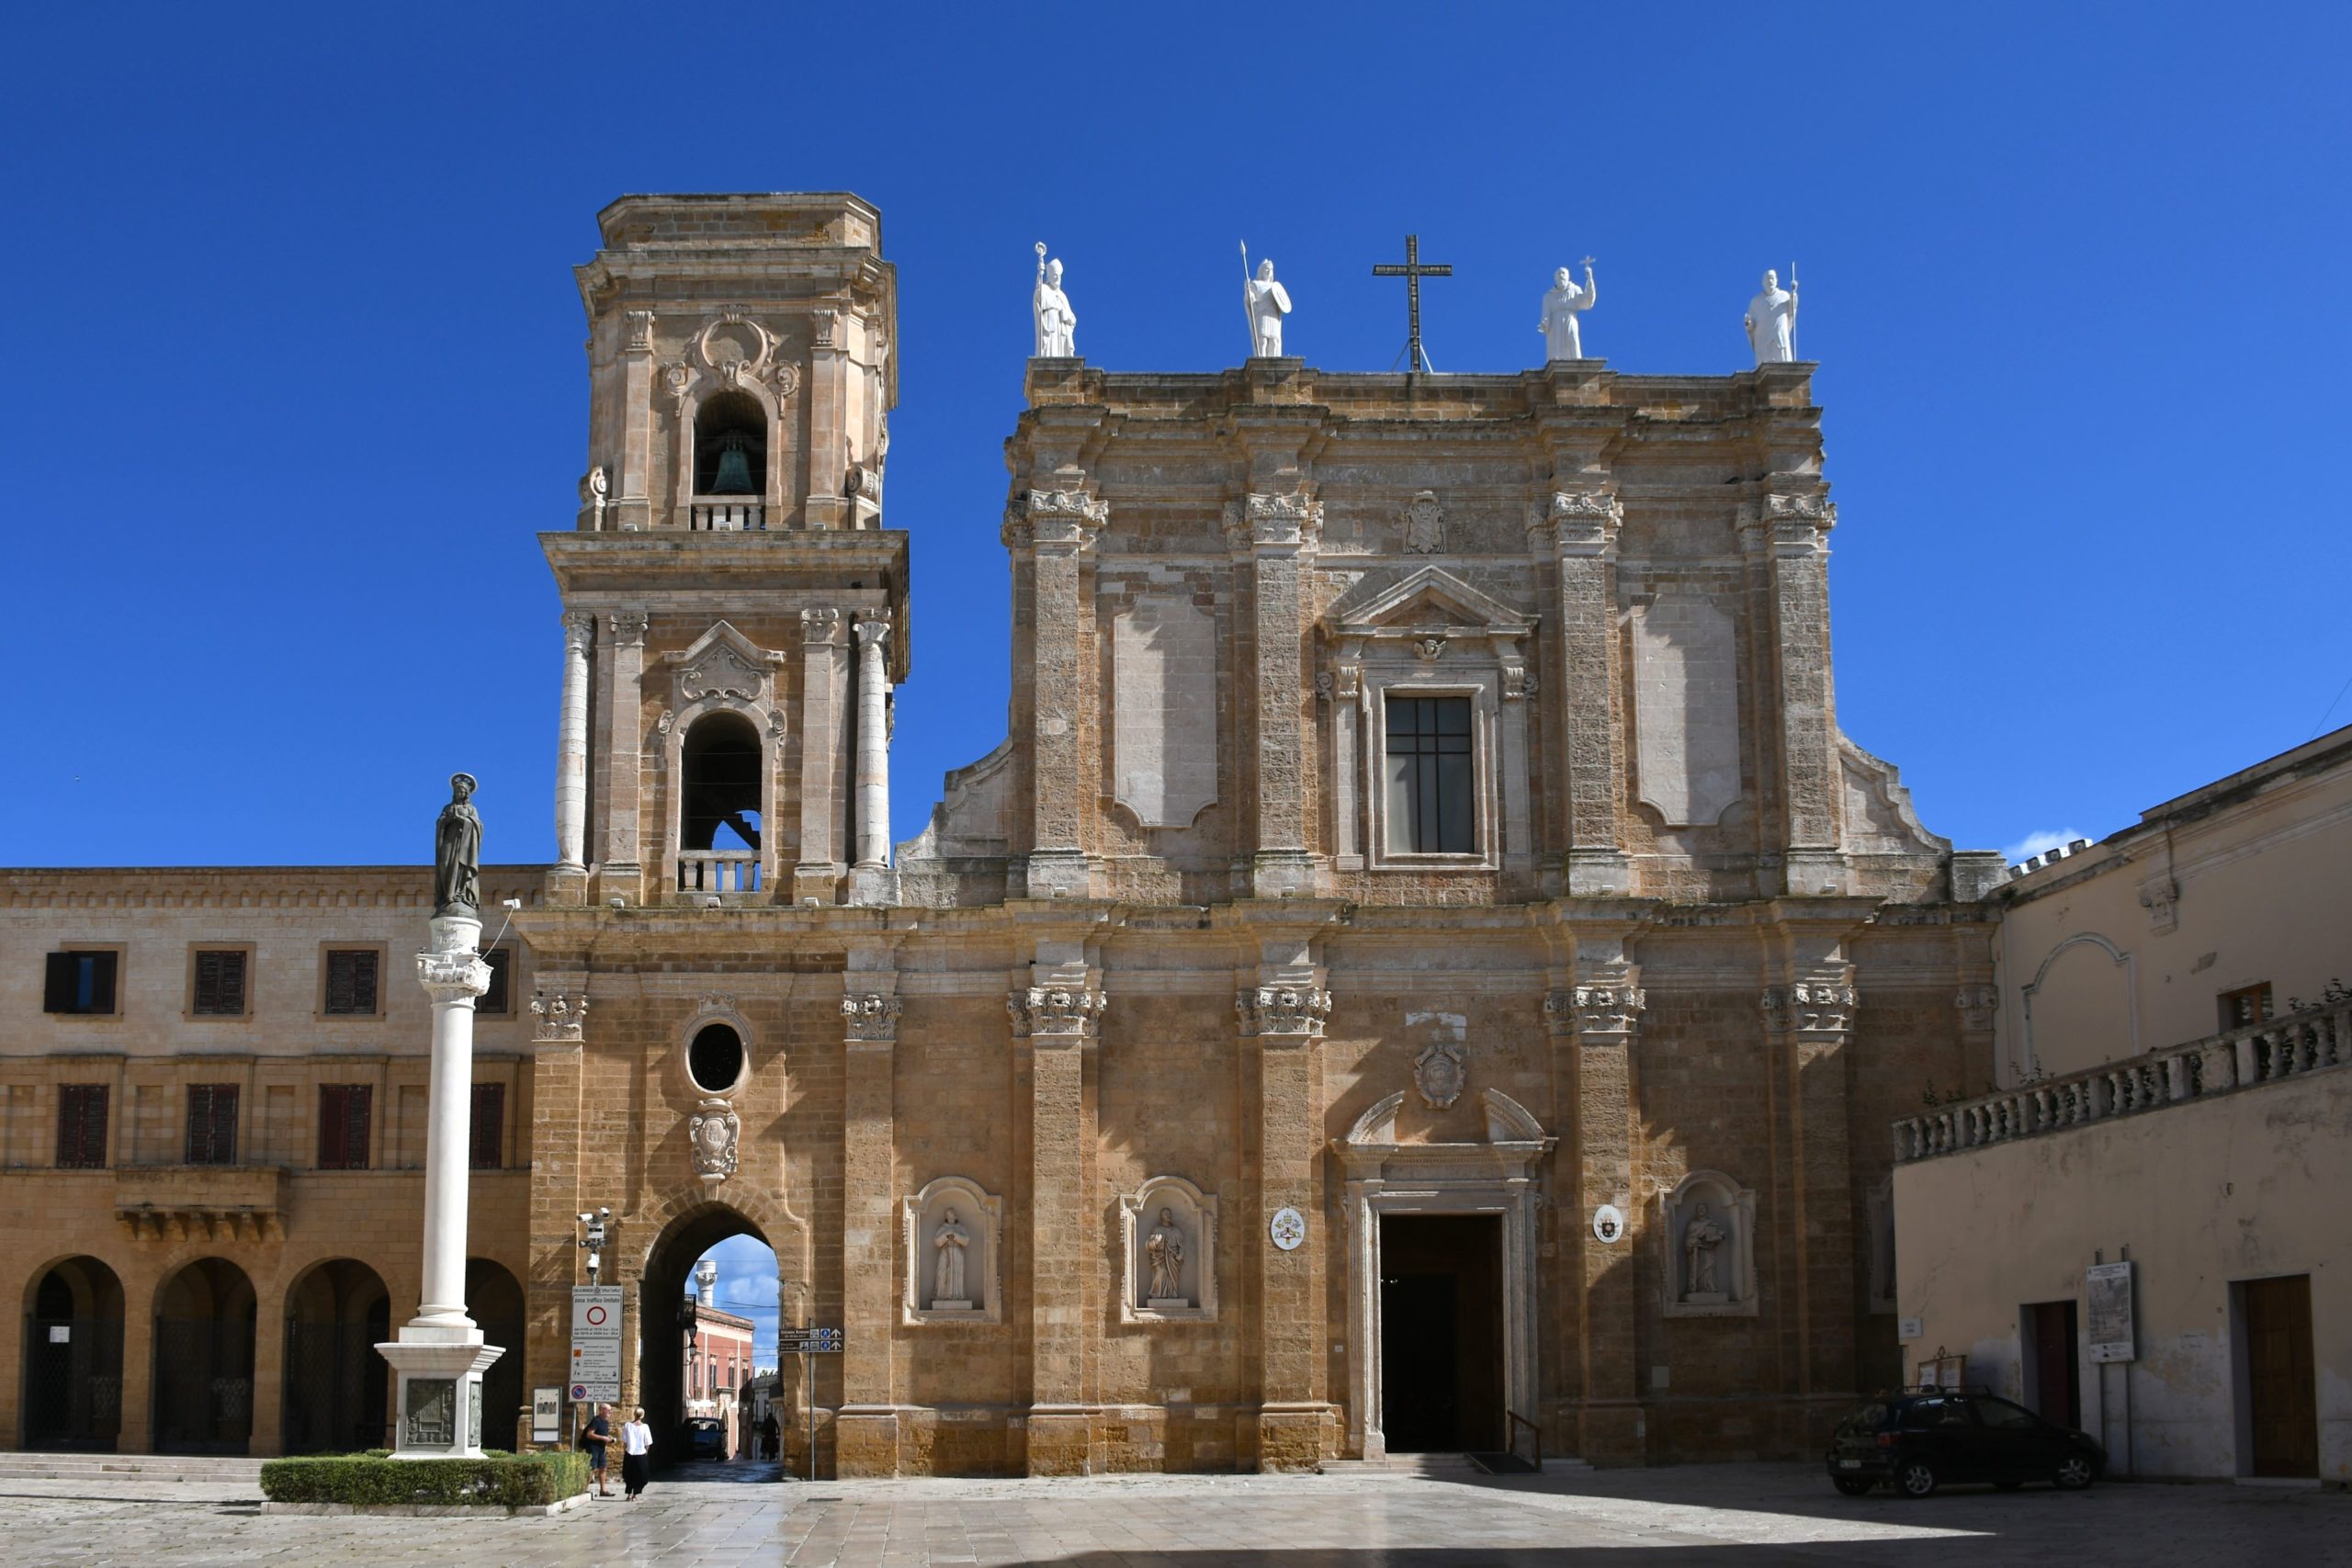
805	1341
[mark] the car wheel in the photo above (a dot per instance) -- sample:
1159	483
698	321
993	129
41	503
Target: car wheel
2076	1472
1915	1478
1850	1485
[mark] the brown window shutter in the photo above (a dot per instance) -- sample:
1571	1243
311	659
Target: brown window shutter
82	1126
58	990
330	1126
212	1124
489	1141
102	981
359	1103
221	983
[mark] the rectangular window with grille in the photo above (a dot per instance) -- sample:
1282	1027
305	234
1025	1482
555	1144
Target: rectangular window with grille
351	982
80	983
218	988
1431	807
212	1124
82	1126
489	1146
499	1001
344	1109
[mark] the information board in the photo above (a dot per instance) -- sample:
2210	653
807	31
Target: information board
546	1415
2110	1335
808	1341
595	1343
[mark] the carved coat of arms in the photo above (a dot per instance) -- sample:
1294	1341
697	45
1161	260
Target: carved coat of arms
711	1134
1440	1074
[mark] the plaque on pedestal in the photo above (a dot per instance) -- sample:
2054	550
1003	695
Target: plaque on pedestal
1169	1304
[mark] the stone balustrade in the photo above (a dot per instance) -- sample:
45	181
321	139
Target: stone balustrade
2311	1041
719	871
730	514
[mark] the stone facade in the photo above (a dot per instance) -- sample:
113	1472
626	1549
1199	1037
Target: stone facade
1200	934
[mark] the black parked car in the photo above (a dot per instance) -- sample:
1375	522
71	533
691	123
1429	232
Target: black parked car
1915	1442
706	1438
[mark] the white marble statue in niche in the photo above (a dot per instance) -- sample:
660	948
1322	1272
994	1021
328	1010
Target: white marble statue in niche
1164	1251
1057	322
1700	1238
1773	319
1561	338
1711	1228
950	1241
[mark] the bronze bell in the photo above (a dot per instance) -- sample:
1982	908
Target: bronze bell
734	468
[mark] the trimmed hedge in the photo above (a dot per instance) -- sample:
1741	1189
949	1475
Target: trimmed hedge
494	1480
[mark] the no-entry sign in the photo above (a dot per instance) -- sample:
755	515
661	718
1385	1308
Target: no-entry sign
595	1343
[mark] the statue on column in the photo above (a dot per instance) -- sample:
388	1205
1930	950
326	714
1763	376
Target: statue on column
1056	323
1164	1250
947	1276
1773	319
1561	339
457	852
1265	302
1701	1237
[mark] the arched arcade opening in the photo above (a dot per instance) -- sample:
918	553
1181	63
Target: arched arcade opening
697	1349
335	1394
494	1299
73	1381
204	1360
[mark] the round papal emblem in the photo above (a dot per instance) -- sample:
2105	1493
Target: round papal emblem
1288	1229
1608	1224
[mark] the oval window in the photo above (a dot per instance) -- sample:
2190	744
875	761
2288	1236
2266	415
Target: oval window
715	1061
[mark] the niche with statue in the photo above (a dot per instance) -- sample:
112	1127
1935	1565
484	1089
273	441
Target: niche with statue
1169	1241
951	1245
1711	1231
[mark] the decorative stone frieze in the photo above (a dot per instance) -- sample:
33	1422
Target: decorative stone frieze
1977	1004
870	1018
1053	1009
559	1019
1282	1009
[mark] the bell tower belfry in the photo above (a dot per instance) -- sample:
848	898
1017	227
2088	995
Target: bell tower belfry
734	611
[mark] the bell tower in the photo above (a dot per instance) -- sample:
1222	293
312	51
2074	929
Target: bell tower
734	611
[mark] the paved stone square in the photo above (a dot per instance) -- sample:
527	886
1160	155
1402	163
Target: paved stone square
1775	1515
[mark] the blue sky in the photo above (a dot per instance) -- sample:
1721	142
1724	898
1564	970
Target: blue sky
295	369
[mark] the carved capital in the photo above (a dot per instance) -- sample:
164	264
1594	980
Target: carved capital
1271	521
559	1019
1977	1004
452	976
1054	1010
1517	683
870	1018
579	630
1070	517
1605	1014
821	628
1819	1007
640	332
1582	521
1282	1009
628	627
873	632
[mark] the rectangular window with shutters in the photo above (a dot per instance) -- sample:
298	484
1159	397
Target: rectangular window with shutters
344	1109
1432	803
82	1126
217	981
82	982
351	981
489	1145
212	1124
499	1001
2247	1004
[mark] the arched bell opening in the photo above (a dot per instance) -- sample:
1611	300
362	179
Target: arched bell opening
731	447
718	806
494	1300
204	1360
72	1386
336	1390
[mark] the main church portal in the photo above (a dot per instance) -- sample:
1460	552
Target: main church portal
1442	1331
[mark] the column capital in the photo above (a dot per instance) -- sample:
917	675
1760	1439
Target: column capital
1065	518
560	1019
453	976
1977	1006
1274	521
1608	1012
1039	1012
1578	521
871	1018
628	627
579	630
822	628
1790	522
1820	1009
1282	1011
873	633
640	332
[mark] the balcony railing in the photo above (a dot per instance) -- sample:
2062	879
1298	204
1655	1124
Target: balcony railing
719	871
2278	1048
727	514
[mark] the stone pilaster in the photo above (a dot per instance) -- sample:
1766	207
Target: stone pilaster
561	1187
572	750
1787	539
620	756
1052	534
1280	532
632	508
1593	1023
1809	1019
867	1434
1056	1024
824	678
829	417
1578	528
1281	1020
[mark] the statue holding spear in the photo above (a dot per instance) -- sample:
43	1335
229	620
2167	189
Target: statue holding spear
1265	303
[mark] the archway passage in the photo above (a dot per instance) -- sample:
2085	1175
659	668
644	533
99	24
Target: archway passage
678	1384
335	1385
73	1387
494	1298
204	1360
1440	1332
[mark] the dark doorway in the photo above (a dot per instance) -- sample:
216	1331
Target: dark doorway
2053	1371
74	1358
333	1384
1440	1332
2281	1389
203	1370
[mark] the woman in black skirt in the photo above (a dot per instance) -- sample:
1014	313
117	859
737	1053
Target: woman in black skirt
636	1453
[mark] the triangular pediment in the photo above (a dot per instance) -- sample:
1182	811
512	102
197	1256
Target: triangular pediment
722	663
1428	597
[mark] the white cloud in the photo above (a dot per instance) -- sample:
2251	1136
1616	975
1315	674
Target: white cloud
2041	841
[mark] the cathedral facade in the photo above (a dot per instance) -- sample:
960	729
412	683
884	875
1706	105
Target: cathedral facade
1424	964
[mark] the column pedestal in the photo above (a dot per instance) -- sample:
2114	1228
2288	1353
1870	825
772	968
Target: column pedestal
439	1354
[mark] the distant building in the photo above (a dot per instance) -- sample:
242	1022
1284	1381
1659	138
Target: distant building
2171	1033
717	1360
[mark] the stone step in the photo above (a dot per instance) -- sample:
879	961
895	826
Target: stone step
34	1466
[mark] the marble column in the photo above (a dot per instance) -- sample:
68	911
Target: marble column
439	1353
822	677
871	875
571	746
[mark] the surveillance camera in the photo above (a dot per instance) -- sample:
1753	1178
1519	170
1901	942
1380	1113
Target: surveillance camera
512	903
